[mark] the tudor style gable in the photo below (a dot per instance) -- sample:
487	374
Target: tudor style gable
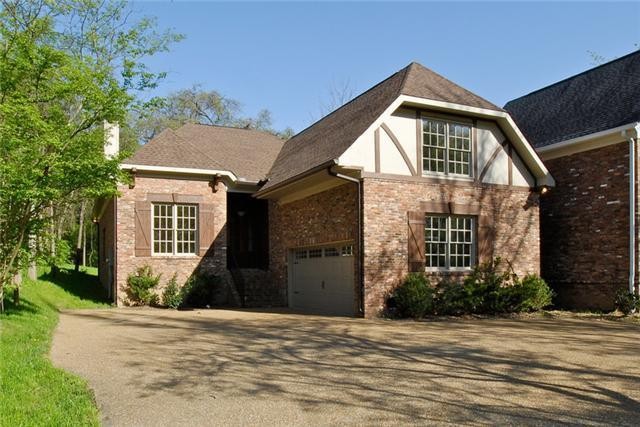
423	143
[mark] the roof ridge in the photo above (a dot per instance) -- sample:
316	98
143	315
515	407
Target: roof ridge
635	52
406	73
349	102
229	127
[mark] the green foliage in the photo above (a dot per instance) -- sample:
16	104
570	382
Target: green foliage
529	294
627	302
451	299
59	81
200	290
195	105
414	297
488	289
140	286
34	392
484	287
171	296
61	256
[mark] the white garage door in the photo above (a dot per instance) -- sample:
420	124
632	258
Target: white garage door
322	280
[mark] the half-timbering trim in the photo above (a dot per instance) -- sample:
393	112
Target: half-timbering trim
396	142
442	181
376	144
495	153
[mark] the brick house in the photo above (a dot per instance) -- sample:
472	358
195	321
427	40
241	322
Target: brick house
585	130
415	174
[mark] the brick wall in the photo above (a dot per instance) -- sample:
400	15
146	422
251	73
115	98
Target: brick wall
106	254
513	212
183	266
326	217
585	227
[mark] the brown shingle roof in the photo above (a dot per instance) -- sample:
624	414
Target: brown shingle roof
247	153
330	137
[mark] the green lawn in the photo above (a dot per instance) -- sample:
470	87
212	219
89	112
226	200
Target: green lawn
32	391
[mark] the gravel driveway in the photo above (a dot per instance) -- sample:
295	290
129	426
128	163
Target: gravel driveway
217	367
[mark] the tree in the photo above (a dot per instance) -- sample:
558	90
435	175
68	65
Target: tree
338	94
65	68
194	105
597	59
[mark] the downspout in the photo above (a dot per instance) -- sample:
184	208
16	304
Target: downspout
632	210
114	271
360	244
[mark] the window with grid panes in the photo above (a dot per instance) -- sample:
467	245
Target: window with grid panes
175	229
449	241
446	147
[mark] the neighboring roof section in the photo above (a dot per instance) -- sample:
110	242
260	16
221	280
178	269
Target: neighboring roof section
247	153
329	137
602	98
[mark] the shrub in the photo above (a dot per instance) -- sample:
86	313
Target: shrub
200	290
529	294
414	297
626	302
140	286
451	299
489	289
485	285
171	296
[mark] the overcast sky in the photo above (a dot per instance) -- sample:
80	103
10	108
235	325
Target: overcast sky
286	56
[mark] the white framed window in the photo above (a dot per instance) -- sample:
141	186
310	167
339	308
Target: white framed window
446	147
449	242
174	229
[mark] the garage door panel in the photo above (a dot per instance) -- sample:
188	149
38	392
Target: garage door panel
322	280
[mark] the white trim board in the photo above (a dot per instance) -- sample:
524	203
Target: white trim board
589	142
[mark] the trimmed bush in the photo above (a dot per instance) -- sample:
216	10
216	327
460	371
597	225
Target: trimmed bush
484	288
140	286
530	294
627	302
200	290
171	296
489	289
414	297
451	299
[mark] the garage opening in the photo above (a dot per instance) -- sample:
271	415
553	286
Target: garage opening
322	280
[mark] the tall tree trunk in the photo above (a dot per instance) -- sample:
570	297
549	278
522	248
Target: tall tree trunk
80	233
84	245
32	272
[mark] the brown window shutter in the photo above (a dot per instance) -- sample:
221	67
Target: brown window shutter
416	241
143	228
206	229
485	239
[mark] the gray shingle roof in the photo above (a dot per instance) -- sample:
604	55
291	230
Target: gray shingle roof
598	99
330	137
247	153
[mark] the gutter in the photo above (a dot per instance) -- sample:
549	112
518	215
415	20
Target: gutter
360	236
189	171
328	164
575	141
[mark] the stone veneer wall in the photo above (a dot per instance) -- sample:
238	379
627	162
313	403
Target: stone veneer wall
183	266
513	213
326	217
585	227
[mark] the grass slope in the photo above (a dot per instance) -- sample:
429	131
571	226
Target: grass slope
32	391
